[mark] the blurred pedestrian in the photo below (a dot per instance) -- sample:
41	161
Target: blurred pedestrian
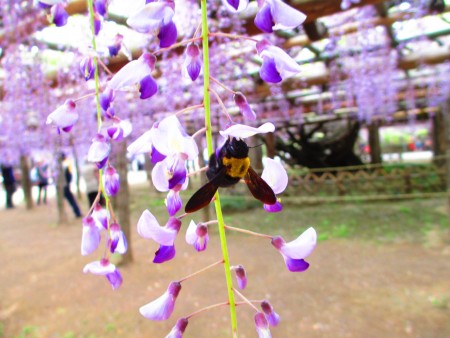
90	173
9	183
42	180
67	192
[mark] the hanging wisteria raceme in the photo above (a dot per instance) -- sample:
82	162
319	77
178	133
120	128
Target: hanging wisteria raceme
163	137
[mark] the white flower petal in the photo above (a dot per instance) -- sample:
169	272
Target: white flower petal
301	247
285	16
97	268
243	131
191	233
285	65
148	227
143	144
275	175
159	309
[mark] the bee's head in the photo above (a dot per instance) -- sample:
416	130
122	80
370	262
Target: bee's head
237	148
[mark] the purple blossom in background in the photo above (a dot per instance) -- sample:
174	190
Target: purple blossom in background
87	67
136	72
241	276
162	307
297	250
235	6
193	62
59	15
111	181
277	64
151	17
64	117
100	7
346	4
105	268
275	15
115	47
197	236
179	328
90	238
245	109
262	326
272	317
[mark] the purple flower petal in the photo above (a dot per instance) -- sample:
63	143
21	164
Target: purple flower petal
115	279
118	241
87	68
178	172
106	98
167	35
241	276
133	72
264	20
97	24
295	265
100	215
147	87
179	328
162	307
99	149
245	109
156	156
173	202
235	6
277	207
90	238
272	317
164	253
269	72
100	7
111	180
65	116
60	15
262	326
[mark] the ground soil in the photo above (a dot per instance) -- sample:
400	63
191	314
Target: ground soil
354	288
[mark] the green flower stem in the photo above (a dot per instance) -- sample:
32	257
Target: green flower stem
97	94
221	224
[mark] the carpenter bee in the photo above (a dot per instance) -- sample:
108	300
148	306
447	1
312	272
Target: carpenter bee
227	167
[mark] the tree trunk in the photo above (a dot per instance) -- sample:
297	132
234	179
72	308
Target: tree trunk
26	182
270	144
374	143
439	137
122	200
60	182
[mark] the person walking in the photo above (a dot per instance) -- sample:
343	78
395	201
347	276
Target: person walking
90	173
9	183
67	192
42	176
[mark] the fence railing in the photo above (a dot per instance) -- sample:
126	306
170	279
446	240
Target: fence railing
380	181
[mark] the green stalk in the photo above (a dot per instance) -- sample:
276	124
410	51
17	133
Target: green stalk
221	224
97	94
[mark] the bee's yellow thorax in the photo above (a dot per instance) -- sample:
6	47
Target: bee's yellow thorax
236	167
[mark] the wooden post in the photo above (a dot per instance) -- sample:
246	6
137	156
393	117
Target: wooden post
374	142
439	137
26	182
60	182
122	199
270	145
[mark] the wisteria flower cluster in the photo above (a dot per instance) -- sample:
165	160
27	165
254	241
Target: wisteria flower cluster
170	148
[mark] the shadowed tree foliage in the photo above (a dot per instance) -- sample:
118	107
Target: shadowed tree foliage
323	144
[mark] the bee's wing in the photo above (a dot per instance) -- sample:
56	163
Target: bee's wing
203	196
259	188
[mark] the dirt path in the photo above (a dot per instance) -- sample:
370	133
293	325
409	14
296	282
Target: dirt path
353	289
